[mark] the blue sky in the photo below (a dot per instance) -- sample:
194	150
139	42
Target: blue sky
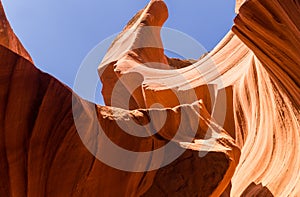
59	34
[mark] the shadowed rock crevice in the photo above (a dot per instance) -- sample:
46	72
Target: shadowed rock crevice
257	190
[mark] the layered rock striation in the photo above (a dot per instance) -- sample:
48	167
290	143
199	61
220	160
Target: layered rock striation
233	115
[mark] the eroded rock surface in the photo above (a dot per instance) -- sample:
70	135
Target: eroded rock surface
44	154
238	128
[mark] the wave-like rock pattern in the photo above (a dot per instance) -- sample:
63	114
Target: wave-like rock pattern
260	60
48	134
268	97
42	153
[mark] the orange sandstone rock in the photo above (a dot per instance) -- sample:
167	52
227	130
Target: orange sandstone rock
236	122
48	134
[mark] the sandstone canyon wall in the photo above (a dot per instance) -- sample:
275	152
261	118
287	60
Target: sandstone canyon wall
53	143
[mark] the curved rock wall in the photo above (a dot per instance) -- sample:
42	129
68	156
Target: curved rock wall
53	143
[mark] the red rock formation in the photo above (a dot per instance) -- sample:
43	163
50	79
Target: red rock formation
238	4
54	143
269	97
260	60
42	153
42	150
9	39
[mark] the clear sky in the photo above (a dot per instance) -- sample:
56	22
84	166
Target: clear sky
59	34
